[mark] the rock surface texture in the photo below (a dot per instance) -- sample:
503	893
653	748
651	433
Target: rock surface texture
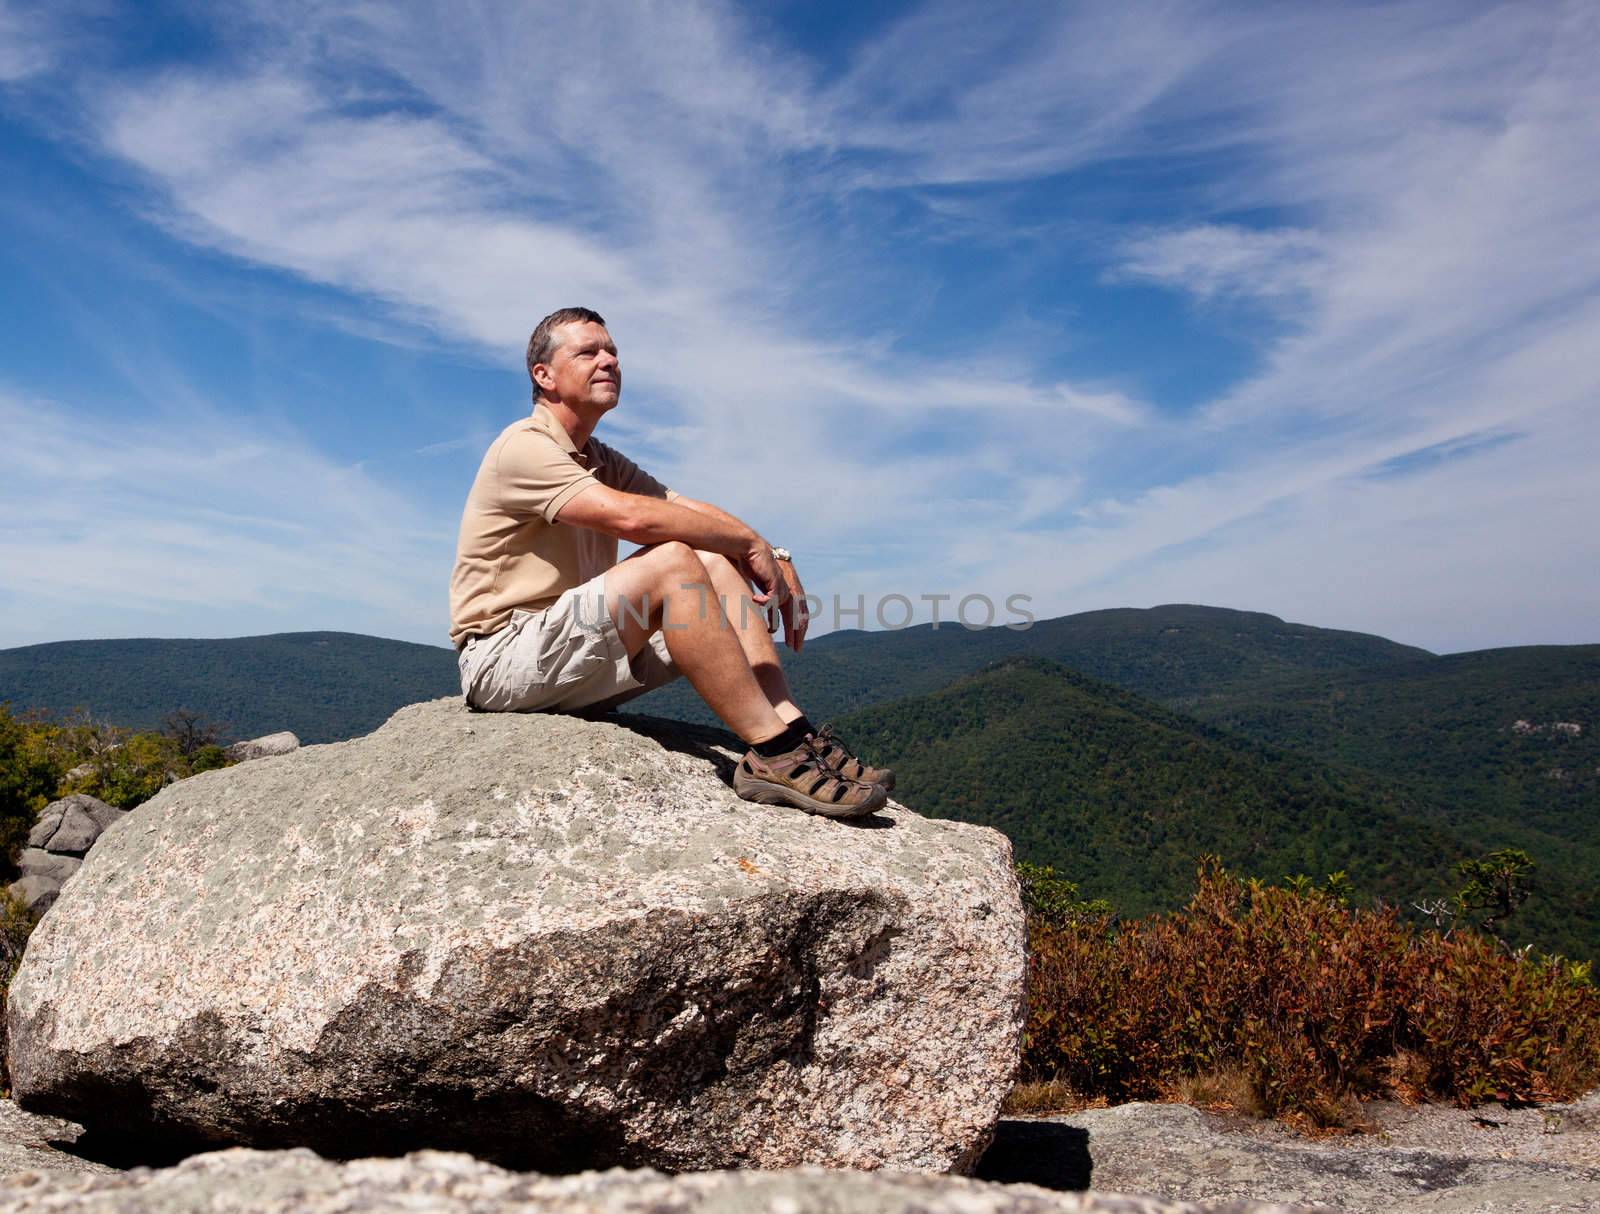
551	942
61	836
1431	1160
264	747
297	1182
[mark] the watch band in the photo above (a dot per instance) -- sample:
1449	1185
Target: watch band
782	554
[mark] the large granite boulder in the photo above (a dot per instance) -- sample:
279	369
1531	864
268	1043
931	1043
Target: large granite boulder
297	1182
553	942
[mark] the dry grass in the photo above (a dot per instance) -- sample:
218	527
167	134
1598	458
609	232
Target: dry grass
1037	1097
1226	1090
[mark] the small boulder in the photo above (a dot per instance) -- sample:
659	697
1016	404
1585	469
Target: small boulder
43	875
36	862
70	826
265	747
546	940
47	823
38	894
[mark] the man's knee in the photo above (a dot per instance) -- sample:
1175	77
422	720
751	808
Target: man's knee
672	563
677	555
718	567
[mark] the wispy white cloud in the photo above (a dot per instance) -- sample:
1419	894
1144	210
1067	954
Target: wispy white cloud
497	199
953	95
30	41
1212	260
1404	195
203	525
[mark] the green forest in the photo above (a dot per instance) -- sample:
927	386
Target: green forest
1122	795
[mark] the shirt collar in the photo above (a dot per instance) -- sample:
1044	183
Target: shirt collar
545	420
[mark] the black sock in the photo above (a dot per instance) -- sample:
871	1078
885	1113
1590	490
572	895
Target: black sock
804	722
788	740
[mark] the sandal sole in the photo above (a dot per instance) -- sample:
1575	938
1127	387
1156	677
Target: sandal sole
764	792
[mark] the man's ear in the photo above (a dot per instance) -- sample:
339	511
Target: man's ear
542	377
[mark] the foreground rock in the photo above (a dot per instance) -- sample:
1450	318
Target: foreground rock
30	1143
61	836
265	747
547	941
292	1182
1417	1161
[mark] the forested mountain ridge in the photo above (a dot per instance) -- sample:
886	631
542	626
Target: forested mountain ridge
1505	742
1169	652
330	685
1121	795
324	686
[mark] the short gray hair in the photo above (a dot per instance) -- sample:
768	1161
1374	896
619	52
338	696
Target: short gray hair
542	344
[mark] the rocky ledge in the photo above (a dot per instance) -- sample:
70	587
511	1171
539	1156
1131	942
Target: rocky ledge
297	1182
550	942
1422	1160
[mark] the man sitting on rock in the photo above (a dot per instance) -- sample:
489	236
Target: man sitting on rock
545	617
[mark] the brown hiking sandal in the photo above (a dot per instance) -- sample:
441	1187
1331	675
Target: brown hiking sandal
851	768
803	778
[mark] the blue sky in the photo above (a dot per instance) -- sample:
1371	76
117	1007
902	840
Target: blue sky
1287	307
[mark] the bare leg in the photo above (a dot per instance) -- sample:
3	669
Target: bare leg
747	619
666	588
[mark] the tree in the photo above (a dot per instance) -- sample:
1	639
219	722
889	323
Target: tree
189	731
1495	886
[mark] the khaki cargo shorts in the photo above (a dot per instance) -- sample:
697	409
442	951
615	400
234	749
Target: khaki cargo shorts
565	657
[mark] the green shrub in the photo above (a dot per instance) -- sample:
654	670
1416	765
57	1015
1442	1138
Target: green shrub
1315	1004
1054	900
29	773
127	769
116	765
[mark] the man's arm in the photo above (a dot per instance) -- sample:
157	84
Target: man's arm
650	520
707	508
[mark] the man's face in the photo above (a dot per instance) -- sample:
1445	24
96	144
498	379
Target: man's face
585	366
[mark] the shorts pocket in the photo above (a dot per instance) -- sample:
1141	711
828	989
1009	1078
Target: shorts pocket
520	658
571	653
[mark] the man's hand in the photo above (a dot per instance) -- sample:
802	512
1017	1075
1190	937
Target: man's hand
778	591
796	619
760	568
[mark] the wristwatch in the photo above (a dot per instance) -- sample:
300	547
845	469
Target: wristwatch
781	554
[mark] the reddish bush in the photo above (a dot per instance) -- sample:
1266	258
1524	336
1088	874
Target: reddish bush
1313	1002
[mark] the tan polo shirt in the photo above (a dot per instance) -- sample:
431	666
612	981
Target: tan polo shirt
512	553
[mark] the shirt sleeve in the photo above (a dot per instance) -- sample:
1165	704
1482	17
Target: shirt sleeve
619	472
535	475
